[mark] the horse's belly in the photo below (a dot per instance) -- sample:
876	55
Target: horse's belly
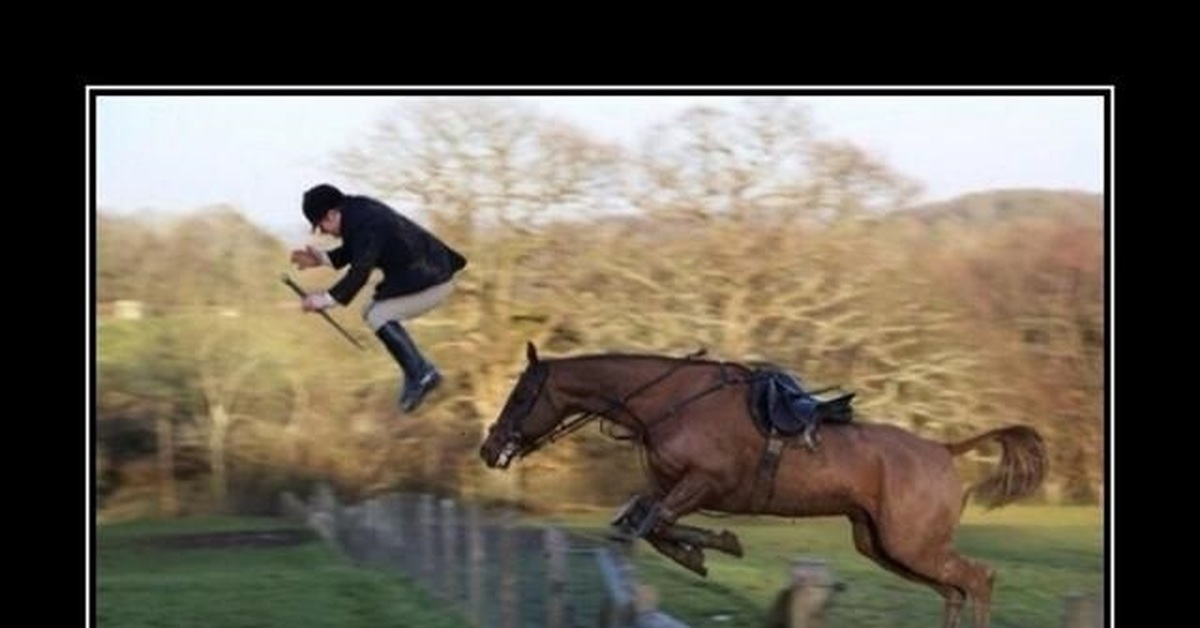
802	489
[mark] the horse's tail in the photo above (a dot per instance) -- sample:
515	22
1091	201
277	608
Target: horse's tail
1022	465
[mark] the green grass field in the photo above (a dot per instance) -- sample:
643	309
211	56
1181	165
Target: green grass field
143	583
1040	553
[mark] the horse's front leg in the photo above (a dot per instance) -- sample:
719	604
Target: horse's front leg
724	541
634	520
630	518
678	542
689	556
683	498
686	497
643	514
646	516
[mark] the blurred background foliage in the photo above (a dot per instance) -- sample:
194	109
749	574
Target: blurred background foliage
745	233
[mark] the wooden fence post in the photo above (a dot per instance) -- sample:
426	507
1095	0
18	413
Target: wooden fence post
348	525
508	573
618	606
293	509
322	514
426	537
556	575
449	540
476	565
1082	611
323	497
802	604
410	530
645	610
371	534
393	522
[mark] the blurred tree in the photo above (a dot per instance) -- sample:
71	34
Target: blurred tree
141	389
132	258
238	382
762	163
220	259
1035	285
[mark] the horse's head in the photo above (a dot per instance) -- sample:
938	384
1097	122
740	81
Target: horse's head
528	415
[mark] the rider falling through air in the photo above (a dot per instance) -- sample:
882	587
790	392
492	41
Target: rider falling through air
418	274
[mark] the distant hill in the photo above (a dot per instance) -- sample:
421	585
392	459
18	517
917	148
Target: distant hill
999	206
977	211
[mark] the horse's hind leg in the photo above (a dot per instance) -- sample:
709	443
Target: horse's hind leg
973	577
983	600
931	556
977	578
866	540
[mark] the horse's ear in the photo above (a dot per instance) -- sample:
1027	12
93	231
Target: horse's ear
531	353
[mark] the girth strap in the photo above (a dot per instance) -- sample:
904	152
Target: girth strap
768	465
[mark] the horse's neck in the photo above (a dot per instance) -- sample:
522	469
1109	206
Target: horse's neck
603	385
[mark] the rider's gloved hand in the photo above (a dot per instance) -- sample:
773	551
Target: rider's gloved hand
316	302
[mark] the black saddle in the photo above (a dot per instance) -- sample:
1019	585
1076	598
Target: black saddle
779	403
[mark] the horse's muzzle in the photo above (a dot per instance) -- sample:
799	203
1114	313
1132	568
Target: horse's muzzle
498	455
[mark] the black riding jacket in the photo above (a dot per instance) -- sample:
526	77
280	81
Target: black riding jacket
376	236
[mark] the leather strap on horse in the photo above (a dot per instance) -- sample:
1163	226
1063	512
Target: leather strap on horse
674	408
764	480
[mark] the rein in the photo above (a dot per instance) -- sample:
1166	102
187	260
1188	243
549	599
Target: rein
573	423
674	408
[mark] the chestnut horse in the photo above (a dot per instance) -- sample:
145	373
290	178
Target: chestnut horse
702	450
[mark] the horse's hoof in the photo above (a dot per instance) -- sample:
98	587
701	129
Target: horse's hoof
625	514
693	559
695	564
730	544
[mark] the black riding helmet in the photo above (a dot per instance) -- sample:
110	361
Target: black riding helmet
318	200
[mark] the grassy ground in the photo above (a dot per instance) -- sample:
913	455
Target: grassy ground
143	580
1040	553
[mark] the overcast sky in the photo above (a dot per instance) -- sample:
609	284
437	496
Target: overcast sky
259	153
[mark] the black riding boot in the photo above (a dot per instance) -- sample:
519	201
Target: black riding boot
420	375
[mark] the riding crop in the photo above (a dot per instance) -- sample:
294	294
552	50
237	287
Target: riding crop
300	291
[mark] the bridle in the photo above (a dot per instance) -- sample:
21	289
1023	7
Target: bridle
541	371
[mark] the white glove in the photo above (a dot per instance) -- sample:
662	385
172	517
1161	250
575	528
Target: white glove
317	301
